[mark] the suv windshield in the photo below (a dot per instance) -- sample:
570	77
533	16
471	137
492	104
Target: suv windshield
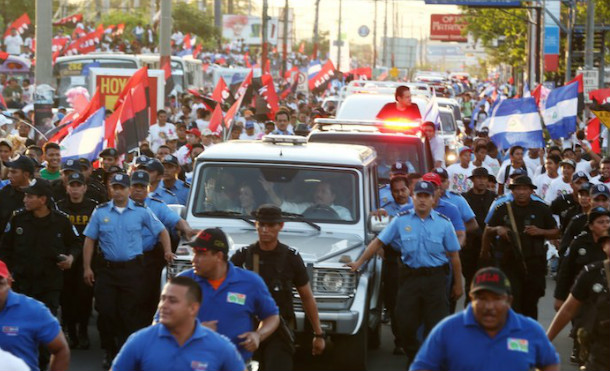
448	122
305	193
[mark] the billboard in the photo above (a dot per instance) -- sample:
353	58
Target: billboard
481	3
249	29
447	27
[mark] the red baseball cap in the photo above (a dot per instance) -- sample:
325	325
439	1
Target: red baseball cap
195	132
4	273
433	178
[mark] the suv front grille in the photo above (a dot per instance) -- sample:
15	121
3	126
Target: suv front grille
177	267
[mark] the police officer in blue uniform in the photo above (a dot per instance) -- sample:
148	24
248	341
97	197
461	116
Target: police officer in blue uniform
26	323
156	189
117	226
385	193
428	244
153	251
456	199
170	179
232	296
178	342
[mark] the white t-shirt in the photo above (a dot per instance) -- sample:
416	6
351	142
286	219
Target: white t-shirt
556	189
245	136
492	164
531	164
8	361
202	124
13	44
501	175
543	182
158	135
458	177
584	165
437	147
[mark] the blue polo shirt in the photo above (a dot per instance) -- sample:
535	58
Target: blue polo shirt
394	208
120	233
447	209
385	195
242	296
462	205
165	215
181	190
164	195
155	348
459	343
422	242
26	323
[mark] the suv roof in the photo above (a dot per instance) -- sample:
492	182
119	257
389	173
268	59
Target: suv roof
302	153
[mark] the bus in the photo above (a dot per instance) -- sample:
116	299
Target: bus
187	72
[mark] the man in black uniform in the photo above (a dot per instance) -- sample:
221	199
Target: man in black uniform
20	172
38	245
563	203
591	295
480	198
76	296
600	197
281	267
583	205
95	189
59	185
522	225
110	157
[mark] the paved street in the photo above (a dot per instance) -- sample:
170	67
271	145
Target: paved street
381	359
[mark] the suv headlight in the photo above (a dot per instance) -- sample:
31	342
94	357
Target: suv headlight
334	281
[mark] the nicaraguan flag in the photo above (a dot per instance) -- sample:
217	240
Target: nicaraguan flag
432	113
313	69
86	140
526	90
516	122
560	111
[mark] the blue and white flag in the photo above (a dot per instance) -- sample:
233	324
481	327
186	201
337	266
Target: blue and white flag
87	140
560	111
526	90
313	69
432	113
516	122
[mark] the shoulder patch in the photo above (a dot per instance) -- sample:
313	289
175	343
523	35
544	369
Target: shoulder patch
168	191
103	205
156	199
443	216
139	204
187	184
19	211
60	212
293	250
406	212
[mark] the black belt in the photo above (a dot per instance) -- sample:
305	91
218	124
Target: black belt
126	264
426	271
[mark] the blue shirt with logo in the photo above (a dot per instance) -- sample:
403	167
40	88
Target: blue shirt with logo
242	296
421	242
459	343
165	215
503	199
120	233
26	323
181	190
447	209
155	348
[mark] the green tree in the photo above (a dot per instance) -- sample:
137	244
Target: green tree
188	19
11	10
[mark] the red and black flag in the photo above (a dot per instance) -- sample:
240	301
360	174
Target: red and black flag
320	81
3	57
241	88
73	119
221	92
69	21
129	124
581	97
267	101
20	24
169	81
138	78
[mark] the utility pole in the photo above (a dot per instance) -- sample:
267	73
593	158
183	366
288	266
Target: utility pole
339	38
264	46
43	71
375	35
165	32
571	21
589	30
385	36
218	19
285	39
316	35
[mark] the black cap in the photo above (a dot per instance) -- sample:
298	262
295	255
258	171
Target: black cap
109	152
585	187
597	212
71	165
522	180
579	175
399	168
142	160
424	187
210	239
480	171
120	178
170	159
39	187
140	177
115	169
155	165
268	213
600	189
21	162
518	172
490	279
441	172
84	162
567	161
77	177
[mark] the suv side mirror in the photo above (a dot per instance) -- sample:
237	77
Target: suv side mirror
377	224
178	209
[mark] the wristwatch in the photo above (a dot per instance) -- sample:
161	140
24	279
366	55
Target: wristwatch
322	335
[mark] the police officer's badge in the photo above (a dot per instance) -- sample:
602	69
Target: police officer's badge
408	228
582	251
19	230
106	220
597	288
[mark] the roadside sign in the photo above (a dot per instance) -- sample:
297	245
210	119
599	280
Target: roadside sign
363	31
394	72
590	79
